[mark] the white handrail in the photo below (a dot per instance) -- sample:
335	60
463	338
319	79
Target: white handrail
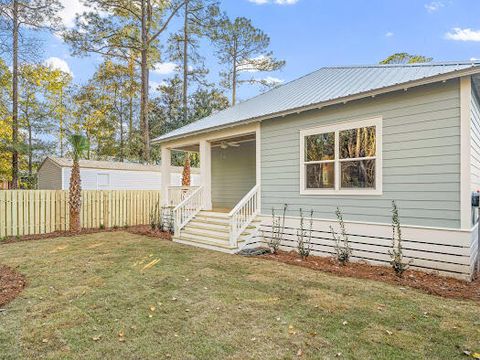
188	208
244	213
176	194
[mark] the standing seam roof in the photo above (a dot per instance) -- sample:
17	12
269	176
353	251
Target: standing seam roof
321	86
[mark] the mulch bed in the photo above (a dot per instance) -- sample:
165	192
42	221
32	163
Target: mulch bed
146	230
429	283
139	229
11	284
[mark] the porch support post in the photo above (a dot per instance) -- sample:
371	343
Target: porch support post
258	164
206	173
166	161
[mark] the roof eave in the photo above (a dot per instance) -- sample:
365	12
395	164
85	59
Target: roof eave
371	93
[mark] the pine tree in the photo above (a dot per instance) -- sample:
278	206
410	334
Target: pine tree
241	47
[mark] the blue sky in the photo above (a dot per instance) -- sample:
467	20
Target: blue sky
309	34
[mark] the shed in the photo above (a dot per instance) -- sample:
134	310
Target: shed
54	174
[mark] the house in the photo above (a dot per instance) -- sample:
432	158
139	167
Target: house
354	137
54	174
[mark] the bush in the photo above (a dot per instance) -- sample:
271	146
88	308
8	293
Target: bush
304	237
154	216
342	247
278	228
396	254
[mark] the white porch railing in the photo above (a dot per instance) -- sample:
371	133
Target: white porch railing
176	194
244	213
188	208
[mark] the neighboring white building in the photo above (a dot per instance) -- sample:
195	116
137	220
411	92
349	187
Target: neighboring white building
54	174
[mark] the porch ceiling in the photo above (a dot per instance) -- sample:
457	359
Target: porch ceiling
234	139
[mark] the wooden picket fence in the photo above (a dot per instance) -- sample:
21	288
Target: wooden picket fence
28	212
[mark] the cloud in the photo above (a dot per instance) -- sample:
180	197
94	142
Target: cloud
154	85
59	64
70	9
272	81
249	65
434	6
278	2
389	34
459	34
166	68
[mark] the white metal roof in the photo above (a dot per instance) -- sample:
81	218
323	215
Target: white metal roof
324	86
110	165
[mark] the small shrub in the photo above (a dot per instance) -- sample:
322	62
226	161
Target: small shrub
171	221
102	226
115	227
342	246
278	227
304	237
396	254
161	221
154	217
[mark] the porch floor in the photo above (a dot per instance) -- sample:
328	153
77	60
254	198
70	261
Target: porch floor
221	210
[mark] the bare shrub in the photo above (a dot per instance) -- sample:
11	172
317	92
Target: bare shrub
304	236
342	246
396	254
278	229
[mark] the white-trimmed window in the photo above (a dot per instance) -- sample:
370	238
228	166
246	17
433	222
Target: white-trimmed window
345	158
103	180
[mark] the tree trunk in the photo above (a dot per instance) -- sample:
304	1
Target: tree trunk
234	75
30	147
131	72
122	140
144	91
75	200
185	63
15	97
186	171
61	122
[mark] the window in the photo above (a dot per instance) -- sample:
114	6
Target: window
103	180
342	159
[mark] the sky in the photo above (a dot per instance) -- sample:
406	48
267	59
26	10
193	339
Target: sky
310	34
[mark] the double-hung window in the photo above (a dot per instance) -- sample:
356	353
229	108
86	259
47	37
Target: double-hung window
342	159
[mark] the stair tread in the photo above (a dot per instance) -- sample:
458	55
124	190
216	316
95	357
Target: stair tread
194	232
206	241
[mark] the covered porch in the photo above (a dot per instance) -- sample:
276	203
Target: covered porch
227	200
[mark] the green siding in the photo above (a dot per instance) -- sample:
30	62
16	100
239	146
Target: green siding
233	174
475	141
421	158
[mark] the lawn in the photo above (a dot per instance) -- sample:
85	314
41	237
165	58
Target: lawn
92	297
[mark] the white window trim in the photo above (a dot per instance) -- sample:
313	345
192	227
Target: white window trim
336	128
99	187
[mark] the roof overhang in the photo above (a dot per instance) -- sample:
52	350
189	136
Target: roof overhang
372	93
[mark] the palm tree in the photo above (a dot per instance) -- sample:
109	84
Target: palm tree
80	145
186	171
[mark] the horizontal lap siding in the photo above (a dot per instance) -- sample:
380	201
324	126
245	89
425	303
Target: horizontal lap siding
49	176
475	169
233	174
421	156
475	141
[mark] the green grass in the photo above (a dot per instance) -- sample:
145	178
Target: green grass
213	306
